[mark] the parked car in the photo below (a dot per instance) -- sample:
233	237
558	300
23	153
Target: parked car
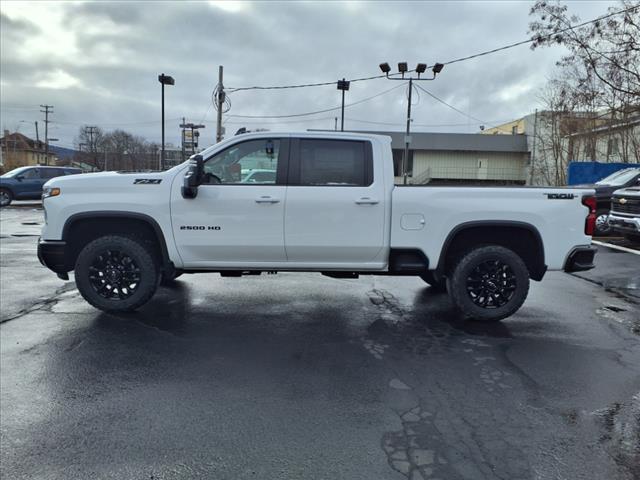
604	188
333	209
625	213
25	183
259	175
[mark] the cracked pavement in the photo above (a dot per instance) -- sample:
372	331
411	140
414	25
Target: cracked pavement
294	376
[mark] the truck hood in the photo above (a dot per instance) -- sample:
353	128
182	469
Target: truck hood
101	181
628	192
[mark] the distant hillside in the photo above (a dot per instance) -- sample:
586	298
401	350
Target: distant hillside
62	153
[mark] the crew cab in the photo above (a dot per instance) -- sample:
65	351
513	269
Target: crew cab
332	208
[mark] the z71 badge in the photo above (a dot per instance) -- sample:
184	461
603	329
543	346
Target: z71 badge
560	196
147	181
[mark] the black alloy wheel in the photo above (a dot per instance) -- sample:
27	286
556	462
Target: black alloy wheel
114	275
491	284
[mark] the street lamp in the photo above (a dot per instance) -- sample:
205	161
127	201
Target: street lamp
402	69
164	80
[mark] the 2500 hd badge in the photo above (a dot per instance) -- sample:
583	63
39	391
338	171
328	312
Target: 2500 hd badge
200	227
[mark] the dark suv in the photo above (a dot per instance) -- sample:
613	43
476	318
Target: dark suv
25	183
627	177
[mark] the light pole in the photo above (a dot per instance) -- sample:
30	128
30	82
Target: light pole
402	69
164	80
344	86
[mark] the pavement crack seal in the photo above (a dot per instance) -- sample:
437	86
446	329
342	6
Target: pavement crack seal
41	304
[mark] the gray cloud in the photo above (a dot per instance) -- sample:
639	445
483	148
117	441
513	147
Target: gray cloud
121	47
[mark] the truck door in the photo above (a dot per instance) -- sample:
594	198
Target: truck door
335	208
237	217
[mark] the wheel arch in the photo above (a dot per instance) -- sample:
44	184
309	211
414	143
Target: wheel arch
528	245
81	228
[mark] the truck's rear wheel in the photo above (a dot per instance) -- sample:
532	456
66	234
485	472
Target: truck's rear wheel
489	283
437	283
116	273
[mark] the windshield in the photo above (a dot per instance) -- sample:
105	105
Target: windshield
14	172
620	177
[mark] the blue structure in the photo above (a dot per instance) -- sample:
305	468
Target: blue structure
590	172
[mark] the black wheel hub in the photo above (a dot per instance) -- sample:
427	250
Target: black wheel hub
114	275
491	284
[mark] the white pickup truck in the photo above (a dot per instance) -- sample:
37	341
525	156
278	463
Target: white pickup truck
331	207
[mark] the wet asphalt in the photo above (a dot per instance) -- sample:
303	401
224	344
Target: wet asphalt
299	376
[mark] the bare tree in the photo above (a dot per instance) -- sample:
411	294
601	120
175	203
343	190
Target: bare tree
608	49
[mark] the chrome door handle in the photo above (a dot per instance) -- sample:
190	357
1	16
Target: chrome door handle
267	199
367	201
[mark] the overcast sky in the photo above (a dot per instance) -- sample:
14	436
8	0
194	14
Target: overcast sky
97	63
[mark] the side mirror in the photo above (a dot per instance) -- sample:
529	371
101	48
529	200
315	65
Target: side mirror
194	177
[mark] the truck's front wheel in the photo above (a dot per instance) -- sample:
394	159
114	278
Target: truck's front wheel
489	283
116	273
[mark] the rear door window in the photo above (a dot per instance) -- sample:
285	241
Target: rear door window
333	163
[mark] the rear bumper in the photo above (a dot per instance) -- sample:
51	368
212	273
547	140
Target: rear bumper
52	254
580	259
625	224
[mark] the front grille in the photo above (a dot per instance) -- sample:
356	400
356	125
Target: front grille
630	207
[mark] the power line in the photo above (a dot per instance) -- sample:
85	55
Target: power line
450	106
457	60
318	111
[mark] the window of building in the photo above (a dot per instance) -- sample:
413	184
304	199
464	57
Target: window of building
398	154
612	146
334	162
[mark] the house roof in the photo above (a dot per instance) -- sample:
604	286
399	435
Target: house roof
22	142
465	142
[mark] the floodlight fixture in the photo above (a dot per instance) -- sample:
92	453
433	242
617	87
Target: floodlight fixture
421	68
166	79
385	68
437	68
402	67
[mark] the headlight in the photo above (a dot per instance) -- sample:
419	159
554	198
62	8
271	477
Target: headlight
50	192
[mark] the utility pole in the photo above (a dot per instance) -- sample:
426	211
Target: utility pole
37	136
220	98
47	110
335	123
407	137
91	129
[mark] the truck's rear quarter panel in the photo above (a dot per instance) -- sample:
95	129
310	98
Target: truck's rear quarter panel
559	221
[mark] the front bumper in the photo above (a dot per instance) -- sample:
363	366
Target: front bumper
580	259
625	224
53	255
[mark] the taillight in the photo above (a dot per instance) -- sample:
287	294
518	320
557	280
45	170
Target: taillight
590	222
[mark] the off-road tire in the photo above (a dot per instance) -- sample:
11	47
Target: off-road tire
6	197
461	280
149	272
436	282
